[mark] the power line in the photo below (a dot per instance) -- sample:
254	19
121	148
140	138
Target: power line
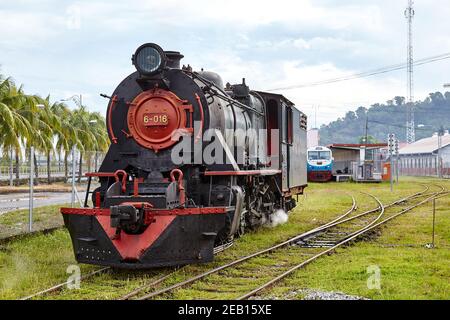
366	74
398	125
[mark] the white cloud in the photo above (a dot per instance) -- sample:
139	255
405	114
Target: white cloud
85	46
336	99
25	28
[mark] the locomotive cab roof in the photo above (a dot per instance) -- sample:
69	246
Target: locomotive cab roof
276	96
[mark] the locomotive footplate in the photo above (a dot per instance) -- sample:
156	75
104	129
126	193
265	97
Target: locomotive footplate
170	237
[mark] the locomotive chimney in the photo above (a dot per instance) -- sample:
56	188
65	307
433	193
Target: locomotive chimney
173	59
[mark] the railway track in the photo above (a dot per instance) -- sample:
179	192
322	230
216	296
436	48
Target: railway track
240	269
221	269
154	280
373	216
342	242
61	285
157	281
97	272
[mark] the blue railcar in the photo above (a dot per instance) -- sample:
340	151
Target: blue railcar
320	164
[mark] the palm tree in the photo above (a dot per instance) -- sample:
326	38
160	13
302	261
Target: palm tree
66	137
40	136
49	125
98	128
13	126
41	139
85	137
27	121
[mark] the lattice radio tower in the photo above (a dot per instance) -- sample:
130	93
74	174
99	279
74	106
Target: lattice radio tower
410	125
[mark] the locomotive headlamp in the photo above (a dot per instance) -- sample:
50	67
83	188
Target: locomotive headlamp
149	59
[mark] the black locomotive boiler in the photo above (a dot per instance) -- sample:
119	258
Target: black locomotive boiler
192	164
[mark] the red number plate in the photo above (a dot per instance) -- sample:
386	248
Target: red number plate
155	119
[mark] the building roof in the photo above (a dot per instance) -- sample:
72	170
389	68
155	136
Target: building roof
357	146
426	145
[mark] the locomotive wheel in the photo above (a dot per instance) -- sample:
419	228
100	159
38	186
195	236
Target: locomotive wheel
241	229
224	234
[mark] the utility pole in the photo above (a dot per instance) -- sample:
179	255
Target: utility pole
397	157
410	126
391	148
367	137
30	207
73	177
367	128
439	160
434	221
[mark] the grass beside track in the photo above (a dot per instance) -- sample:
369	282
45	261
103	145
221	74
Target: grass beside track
408	270
16	222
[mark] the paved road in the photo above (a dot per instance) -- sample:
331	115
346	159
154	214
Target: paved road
18	201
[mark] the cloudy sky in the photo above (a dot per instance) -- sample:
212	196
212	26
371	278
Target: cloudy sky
71	47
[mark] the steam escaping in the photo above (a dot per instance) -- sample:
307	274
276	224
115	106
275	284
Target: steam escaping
277	218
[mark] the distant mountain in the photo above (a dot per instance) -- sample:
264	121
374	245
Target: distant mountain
430	115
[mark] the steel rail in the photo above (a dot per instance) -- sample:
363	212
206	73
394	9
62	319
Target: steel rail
353	208
344	241
138	290
224	247
331	224
311	232
296	238
243	259
157	281
61	285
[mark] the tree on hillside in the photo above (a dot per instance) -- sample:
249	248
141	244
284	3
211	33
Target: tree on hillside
370	139
390	117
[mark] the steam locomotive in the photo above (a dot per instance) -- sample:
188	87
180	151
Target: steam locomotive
192	164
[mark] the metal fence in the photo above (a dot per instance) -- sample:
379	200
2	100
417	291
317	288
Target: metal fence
29	197
424	167
59	168
349	167
427	172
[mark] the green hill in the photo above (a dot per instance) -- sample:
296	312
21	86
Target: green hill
430	115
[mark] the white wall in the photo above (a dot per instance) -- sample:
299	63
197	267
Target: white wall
313	138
